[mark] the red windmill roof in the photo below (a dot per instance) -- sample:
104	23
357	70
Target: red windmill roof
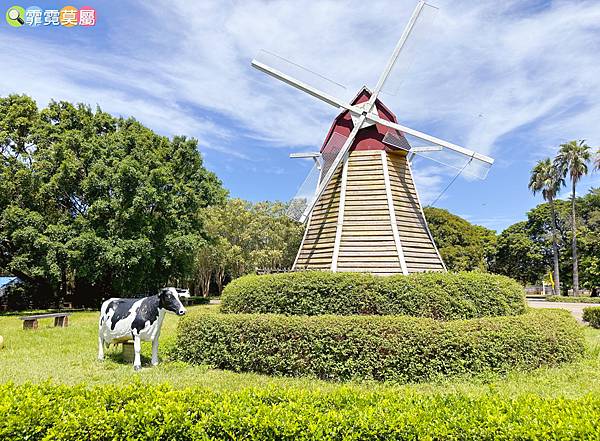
368	138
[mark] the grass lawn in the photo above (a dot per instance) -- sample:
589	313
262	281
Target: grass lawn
68	356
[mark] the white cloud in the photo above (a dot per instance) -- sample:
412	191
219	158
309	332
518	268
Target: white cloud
487	70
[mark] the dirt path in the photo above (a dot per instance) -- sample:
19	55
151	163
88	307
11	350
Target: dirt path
575	308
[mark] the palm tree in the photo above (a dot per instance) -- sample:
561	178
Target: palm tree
572	159
545	178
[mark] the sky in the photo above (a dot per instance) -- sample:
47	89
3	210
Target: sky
512	80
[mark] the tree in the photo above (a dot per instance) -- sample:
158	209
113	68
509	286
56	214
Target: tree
546	179
588	209
572	159
97	205
518	256
243	237
463	246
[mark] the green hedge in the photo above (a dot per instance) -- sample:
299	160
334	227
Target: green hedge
443	296
569	299
592	316
142	412
397	348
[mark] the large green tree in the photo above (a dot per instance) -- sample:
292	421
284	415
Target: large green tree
588	208
463	246
244	237
545	178
572	160
96	204
527	246
518	255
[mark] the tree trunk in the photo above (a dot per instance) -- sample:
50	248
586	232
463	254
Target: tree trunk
219	278
204	281
555	250
63	288
575	269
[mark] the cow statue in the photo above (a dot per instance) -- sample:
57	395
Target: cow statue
139	320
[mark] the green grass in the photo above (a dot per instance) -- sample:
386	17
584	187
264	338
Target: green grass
68	356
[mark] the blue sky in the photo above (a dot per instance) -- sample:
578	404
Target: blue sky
510	79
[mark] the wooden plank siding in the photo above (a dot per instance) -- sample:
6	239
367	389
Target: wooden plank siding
365	196
316	250
419	250
366	242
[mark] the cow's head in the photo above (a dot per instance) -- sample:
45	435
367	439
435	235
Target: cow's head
170	300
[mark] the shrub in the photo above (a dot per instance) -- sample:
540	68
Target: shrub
569	299
592	316
144	412
397	348
443	296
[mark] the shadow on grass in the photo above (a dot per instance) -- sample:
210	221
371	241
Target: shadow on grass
115	354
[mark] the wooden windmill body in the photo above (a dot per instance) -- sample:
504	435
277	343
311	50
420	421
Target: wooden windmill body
369	219
365	214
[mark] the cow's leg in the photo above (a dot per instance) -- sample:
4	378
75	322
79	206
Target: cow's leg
155	351
100	347
137	346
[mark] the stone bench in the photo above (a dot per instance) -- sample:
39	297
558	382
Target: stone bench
60	319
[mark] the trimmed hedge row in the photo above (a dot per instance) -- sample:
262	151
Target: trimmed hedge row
442	296
143	412
569	299
592	316
396	348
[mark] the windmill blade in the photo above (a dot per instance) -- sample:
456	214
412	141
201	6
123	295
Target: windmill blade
465	164
331	150
341	155
415	45
466	161
432	140
420	21
301	78
305	194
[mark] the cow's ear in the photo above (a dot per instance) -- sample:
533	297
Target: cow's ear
163	292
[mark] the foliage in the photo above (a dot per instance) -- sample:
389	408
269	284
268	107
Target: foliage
545	178
31	357
395	348
443	296
463	246
246	236
592	316
572	160
97	204
588	238
524	249
148	413
518	255
568	299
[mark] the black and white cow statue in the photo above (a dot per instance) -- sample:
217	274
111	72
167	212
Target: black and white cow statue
139	320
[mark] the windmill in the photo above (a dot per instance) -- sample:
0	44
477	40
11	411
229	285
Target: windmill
365	214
